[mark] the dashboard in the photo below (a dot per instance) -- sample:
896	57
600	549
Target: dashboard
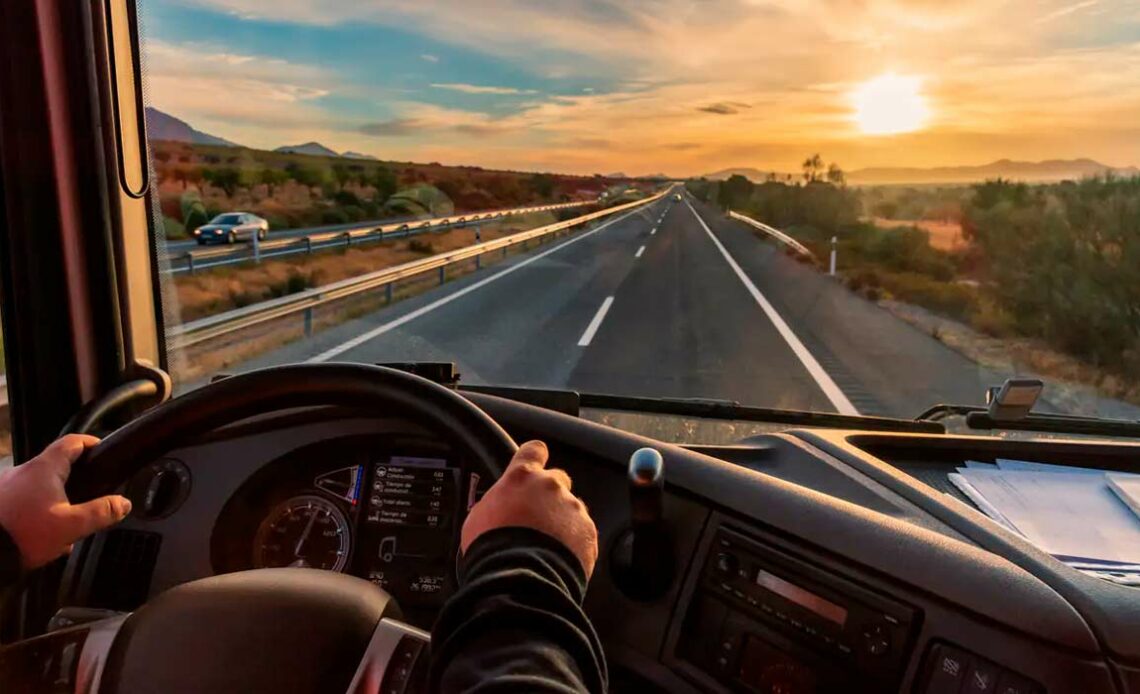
386	511
809	561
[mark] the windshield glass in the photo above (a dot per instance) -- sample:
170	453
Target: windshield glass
863	208
226	219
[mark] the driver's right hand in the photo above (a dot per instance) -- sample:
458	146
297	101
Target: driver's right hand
529	495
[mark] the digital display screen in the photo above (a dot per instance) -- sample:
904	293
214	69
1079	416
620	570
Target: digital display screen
410	512
765	668
806	599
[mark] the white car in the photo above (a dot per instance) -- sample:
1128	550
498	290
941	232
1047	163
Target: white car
231	227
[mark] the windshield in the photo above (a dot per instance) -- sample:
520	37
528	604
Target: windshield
226	219
862	208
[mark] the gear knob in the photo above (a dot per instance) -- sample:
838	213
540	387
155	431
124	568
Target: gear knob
642	557
646	486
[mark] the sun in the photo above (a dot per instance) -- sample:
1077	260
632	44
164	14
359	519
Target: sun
890	104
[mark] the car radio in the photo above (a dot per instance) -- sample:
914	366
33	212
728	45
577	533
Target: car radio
774	623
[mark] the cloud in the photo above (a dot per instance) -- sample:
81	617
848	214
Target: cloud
429	57
783	69
217	90
481	89
724	109
397	127
427	119
1068	9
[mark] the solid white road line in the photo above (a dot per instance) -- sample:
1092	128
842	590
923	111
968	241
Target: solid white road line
639	252
592	328
424	310
822	379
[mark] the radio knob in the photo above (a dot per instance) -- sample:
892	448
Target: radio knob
876	641
727	563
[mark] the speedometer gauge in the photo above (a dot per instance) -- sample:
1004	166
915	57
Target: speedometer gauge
305	531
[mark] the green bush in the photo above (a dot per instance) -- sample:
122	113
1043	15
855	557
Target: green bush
293	283
424	246
1063	263
173	229
193	211
334	216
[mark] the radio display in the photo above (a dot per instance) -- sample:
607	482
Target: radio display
806	599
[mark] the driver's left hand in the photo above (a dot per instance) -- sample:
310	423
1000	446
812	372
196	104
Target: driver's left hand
36	513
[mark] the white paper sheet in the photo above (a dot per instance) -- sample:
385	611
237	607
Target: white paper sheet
1068	514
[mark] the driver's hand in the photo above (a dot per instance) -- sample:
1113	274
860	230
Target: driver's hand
530	496
35	511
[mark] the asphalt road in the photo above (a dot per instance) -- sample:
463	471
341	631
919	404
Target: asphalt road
670	300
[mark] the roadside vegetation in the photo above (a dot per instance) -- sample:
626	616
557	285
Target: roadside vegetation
197	182
229	287
1051	265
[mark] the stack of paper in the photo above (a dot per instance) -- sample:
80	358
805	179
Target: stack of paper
1072	513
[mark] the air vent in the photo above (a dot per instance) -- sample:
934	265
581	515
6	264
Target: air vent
126	564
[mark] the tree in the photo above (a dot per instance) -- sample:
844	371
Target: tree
812	167
226	177
307	175
384	181
542	185
734	192
835	175
341	174
272	177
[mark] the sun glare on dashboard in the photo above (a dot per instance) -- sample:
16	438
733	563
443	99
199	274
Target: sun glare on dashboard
890	104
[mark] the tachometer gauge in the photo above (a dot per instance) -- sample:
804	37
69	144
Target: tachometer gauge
305	531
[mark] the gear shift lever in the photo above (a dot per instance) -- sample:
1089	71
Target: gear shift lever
642	557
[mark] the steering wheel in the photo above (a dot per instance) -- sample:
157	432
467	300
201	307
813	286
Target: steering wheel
268	630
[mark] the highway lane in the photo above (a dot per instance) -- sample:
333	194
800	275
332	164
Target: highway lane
650	304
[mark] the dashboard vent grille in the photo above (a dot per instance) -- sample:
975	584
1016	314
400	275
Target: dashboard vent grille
126	564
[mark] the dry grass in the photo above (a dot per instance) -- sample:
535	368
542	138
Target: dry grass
221	289
1067	377
944	235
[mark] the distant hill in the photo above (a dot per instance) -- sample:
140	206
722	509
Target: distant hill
1051	170
357	155
313	148
755	175
163	126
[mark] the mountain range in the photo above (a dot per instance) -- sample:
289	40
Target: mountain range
163	126
1049	170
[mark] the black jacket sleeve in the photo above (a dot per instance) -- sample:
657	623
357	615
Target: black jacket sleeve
516	623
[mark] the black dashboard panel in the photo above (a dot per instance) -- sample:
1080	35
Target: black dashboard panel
847	546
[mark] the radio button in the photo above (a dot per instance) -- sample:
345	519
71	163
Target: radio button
981	679
876	641
948	667
727	563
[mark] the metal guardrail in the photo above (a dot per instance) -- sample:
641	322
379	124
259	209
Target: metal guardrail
221	324
774	232
195	259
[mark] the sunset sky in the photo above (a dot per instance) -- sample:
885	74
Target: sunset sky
681	87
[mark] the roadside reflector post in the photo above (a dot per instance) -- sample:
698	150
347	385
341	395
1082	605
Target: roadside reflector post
257	246
832	270
309	322
190	262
